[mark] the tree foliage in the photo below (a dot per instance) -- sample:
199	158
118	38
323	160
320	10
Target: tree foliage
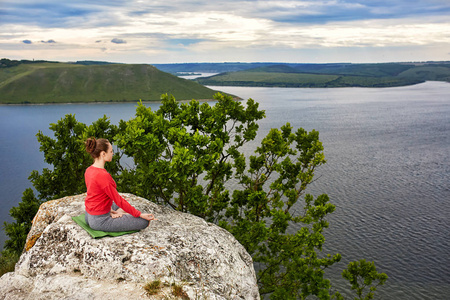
183	153
67	154
362	274
185	156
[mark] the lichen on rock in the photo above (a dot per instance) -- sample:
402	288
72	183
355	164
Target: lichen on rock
63	261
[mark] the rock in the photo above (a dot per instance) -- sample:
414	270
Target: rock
62	261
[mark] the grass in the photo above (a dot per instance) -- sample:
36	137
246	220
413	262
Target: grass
333	75
153	288
177	291
274	77
269	79
439	73
251	78
69	83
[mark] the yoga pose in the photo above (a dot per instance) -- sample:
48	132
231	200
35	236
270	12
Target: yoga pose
101	212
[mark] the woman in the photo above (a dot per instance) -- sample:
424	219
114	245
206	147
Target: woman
101	212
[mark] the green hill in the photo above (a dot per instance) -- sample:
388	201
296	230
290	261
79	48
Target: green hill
332	75
68	83
371	70
275	79
428	72
275	69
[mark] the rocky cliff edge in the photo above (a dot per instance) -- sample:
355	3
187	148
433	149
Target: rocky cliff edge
62	261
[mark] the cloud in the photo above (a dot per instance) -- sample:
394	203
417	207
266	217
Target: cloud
118	41
82	13
219	30
326	11
45	13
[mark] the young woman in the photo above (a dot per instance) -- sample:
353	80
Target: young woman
106	210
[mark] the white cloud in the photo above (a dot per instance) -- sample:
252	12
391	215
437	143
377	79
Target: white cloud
182	30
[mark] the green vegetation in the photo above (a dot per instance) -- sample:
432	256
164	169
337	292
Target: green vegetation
69	83
184	157
428	72
253	78
153	288
362	274
373	70
18	230
303	80
177	291
7	63
332	75
24	81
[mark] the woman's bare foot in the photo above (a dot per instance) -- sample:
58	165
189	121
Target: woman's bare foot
121	211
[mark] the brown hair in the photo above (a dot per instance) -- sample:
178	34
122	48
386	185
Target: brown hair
95	147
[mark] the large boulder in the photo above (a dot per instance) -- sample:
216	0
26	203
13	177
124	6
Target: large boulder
62	261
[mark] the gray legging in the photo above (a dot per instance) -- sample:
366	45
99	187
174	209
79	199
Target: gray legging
107	223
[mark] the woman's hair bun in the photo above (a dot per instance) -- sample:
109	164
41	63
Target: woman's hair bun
96	146
90	143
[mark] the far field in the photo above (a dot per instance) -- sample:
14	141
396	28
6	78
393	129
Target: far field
333	75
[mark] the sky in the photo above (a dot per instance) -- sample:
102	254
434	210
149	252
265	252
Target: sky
178	31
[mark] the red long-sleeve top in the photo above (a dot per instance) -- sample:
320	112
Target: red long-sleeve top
102	191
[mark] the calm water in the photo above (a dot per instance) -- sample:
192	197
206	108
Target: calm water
387	173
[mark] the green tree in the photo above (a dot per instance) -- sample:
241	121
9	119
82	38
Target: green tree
182	152
23	216
67	156
261	212
362	274
17	231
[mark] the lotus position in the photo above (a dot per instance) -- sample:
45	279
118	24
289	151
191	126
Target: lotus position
106	210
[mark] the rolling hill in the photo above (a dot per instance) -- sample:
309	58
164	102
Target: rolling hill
305	80
46	82
317	75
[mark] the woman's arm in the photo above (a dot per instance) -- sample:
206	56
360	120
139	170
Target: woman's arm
111	191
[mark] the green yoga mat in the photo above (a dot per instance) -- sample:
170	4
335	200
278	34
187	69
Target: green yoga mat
96	234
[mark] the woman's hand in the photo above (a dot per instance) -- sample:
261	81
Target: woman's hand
148	217
115	214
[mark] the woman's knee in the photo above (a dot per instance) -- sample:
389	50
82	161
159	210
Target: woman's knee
144	223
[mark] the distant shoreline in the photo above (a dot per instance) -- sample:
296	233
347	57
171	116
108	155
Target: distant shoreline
206	100
107	102
96	102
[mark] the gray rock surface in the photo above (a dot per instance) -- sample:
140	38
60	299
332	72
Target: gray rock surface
62	261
